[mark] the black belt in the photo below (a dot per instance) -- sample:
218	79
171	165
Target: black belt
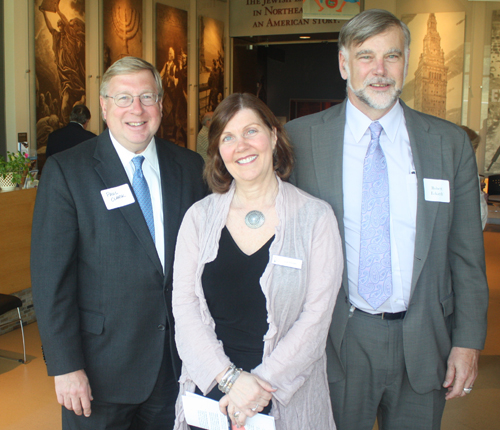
386	315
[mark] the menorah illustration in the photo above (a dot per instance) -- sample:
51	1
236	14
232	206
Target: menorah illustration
126	23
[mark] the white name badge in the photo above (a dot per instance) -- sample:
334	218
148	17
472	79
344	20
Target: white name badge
437	190
287	262
117	197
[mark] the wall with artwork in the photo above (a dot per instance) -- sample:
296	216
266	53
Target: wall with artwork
50	40
210	64
476	60
491	93
434	82
60	64
171	61
122	30
114	27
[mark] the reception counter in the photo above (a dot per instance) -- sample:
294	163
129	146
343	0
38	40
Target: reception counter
16	213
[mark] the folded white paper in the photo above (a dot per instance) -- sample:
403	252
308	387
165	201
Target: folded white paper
205	413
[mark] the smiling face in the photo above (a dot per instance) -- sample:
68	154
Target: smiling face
375	72
246	148
133	126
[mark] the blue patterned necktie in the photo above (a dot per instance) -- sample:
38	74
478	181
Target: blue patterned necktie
375	274
141	190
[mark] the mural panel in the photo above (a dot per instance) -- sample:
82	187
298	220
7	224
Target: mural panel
59	63
211	65
171	60
122	30
493	122
434	82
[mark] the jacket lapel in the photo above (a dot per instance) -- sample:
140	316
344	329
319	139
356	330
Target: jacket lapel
171	180
426	151
112	173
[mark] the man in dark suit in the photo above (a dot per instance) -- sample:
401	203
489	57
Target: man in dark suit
71	135
104	229
410	318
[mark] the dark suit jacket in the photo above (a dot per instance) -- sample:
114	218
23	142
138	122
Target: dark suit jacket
102	301
449	293
67	137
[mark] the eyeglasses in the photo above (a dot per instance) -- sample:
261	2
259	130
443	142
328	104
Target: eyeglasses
125	100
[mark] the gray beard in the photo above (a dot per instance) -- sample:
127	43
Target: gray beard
367	100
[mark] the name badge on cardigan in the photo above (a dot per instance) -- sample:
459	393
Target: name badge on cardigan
287	262
437	190
117	197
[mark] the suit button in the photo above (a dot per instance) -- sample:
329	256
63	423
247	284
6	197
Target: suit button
161	327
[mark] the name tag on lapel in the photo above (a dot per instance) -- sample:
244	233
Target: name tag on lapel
287	262
437	190
117	197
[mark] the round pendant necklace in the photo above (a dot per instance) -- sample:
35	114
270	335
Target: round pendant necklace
254	219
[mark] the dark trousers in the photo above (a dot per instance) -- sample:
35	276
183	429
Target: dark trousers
376	384
156	413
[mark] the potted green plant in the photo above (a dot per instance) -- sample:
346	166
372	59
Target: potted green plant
13	170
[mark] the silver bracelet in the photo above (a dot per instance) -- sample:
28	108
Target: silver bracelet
226	377
234	377
229	378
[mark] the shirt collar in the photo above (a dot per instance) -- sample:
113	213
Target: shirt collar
358	122
150	154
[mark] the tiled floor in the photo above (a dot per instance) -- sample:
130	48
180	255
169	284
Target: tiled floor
28	402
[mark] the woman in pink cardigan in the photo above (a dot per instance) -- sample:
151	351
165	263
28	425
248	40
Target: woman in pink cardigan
257	270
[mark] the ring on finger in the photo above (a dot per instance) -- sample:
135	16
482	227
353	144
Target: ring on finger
236	414
467	390
255	408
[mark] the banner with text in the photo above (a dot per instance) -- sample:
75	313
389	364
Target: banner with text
266	17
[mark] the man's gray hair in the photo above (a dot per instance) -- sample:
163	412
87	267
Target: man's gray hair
368	24
127	66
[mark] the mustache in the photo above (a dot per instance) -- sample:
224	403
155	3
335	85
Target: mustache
379	81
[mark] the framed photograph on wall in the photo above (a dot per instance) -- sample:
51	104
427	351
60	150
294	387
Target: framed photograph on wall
171	61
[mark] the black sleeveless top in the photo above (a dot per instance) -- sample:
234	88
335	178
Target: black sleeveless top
237	303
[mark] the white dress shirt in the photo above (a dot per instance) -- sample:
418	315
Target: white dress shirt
151	170
395	143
